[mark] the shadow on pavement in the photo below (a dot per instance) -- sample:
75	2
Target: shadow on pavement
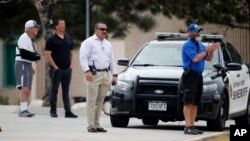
169	127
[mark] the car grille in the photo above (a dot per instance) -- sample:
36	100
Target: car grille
157	89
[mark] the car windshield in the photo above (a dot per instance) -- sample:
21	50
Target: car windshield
164	55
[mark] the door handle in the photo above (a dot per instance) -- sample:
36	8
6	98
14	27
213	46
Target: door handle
238	75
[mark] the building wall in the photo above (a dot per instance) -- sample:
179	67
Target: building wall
78	84
239	38
137	38
10	93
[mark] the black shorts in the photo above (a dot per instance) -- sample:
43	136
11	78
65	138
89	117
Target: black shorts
192	84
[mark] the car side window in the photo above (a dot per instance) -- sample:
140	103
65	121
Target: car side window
226	56
236	58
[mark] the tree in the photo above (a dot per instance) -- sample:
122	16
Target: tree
45	9
11	21
121	14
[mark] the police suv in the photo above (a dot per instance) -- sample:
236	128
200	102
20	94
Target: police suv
150	86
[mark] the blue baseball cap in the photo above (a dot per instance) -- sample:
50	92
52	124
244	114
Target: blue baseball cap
194	27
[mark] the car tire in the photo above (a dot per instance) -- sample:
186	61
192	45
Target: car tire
219	123
148	121
245	119
119	120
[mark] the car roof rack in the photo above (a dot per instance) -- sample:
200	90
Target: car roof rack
161	36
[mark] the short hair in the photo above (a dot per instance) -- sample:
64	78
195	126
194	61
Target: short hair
56	21
100	22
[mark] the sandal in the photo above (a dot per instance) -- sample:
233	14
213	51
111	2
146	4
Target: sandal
92	129
100	129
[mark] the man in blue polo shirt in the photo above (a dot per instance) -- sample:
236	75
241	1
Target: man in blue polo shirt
194	54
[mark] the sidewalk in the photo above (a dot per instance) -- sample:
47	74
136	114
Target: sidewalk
41	127
44	128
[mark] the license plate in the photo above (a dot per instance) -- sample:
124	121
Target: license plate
157	106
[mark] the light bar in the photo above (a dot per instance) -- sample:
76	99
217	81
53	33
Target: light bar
210	36
162	35
170	35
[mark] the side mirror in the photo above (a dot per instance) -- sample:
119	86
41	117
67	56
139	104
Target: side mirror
123	62
233	67
218	66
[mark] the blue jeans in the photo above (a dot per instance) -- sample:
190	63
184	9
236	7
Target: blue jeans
62	76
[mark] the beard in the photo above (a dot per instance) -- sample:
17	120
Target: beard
198	38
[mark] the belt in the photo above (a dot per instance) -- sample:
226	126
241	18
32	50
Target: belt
196	72
106	69
193	71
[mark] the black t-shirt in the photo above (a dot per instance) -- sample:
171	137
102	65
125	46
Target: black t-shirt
60	50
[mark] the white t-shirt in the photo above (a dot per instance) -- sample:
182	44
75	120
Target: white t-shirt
24	42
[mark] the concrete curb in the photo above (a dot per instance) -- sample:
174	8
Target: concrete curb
222	136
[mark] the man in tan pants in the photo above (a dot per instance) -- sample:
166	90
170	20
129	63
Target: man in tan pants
96	58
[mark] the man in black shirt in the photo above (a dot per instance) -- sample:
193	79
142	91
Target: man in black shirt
59	54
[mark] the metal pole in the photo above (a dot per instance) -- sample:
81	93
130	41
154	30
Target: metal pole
87	18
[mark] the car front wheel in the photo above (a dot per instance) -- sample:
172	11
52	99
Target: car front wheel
119	120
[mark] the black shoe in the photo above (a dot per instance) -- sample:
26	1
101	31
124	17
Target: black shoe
100	129
70	115
197	130
92	129
54	115
190	131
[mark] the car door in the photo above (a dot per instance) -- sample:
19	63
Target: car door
238	83
230	76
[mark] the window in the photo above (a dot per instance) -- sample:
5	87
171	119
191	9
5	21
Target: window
160	55
234	54
165	54
226	56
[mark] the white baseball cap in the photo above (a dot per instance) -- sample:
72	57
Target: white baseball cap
31	23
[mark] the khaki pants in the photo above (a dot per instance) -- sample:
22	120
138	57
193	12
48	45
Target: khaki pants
96	92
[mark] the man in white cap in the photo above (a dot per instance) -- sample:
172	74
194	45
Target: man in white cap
23	67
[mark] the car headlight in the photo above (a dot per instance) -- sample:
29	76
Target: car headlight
209	87
124	86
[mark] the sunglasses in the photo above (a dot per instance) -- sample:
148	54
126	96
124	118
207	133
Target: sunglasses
103	29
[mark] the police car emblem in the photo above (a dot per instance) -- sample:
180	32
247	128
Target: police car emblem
159	91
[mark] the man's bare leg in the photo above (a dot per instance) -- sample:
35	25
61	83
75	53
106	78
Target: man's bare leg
193	114
187	111
24	98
